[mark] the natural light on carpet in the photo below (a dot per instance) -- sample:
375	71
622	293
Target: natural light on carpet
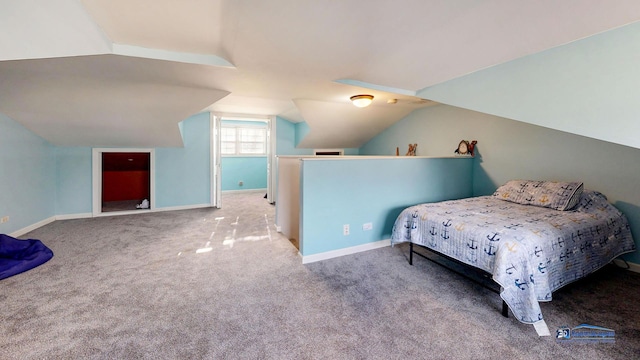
231	239
207	247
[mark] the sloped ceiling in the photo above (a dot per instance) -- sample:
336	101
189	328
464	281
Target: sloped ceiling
125	104
125	72
357	125
589	87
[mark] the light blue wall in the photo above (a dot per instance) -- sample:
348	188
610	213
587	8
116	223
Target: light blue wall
289	136
287	139
251	170
27	177
302	129
74	182
183	175
509	149
359	191
588	87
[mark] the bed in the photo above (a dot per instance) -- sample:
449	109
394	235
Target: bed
533	237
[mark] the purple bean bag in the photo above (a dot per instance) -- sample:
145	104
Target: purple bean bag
18	256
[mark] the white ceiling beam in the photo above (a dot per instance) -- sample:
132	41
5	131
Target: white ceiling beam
32	29
376	87
160	54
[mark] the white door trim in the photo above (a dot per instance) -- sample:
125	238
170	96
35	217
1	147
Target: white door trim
216	168
272	163
96	170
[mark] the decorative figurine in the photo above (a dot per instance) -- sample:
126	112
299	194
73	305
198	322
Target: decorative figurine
463	148
412	150
466	148
472	146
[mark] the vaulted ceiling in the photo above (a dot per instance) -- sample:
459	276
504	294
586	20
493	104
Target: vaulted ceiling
126	72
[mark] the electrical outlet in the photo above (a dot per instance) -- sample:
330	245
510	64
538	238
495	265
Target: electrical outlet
240	183
368	226
345	229
4	220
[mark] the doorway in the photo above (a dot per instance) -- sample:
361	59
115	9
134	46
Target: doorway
122	181
269	124
125	181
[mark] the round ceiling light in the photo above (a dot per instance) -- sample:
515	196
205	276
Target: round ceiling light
362	100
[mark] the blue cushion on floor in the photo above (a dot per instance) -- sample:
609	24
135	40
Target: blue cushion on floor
18	256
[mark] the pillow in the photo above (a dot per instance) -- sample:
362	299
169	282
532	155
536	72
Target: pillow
594	202
550	194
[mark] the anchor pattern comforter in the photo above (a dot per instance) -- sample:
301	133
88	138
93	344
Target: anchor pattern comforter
531	251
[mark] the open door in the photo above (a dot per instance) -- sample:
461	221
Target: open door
216	153
272	170
216	159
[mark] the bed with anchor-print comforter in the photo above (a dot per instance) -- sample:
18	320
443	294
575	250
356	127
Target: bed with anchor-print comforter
531	251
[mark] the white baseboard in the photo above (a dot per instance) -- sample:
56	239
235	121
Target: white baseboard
146	211
346	251
74	216
32	227
244	191
631	266
49	220
183	207
124	212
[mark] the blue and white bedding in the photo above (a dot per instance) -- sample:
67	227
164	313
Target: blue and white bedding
531	251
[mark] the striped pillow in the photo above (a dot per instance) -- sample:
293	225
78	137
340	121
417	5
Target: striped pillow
550	194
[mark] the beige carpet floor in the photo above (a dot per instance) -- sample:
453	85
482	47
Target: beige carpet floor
222	284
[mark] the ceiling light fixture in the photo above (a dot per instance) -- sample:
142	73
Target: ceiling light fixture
362	100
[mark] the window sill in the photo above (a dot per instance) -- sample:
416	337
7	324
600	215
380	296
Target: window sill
243	156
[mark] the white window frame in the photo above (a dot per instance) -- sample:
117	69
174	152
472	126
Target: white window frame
238	142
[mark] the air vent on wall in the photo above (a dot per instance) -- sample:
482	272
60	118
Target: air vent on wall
328	152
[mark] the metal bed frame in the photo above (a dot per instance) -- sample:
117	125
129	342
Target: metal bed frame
486	275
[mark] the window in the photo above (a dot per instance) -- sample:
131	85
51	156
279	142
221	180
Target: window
243	140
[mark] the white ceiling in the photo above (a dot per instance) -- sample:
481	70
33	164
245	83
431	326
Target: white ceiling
125	72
